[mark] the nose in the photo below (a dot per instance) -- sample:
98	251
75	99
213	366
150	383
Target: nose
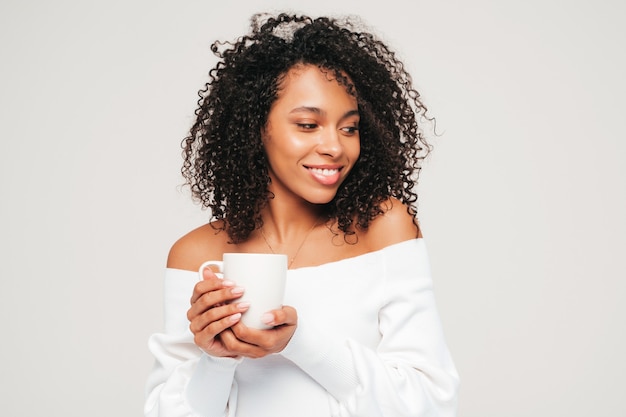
329	143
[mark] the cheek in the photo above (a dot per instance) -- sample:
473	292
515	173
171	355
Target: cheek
354	150
292	148
282	152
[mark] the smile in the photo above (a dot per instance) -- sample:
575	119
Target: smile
324	172
325	176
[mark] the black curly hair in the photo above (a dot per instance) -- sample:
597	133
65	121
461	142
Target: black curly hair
224	160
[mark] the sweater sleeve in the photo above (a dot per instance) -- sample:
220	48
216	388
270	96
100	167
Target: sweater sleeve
185	381
410	372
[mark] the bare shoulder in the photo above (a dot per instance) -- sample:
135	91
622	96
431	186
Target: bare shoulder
194	248
395	225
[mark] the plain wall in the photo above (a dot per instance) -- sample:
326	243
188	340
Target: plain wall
522	201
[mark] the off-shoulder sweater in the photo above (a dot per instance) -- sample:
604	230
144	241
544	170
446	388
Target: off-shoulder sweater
369	343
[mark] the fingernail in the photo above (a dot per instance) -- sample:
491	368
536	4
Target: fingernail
235	318
243	306
227	283
237	290
267	318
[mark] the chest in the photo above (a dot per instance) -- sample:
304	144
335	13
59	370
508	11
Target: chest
341	298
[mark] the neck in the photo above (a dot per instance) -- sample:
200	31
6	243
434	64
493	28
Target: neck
286	224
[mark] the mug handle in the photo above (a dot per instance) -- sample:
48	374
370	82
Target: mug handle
219	264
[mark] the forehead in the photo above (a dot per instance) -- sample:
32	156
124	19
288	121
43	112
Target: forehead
307	82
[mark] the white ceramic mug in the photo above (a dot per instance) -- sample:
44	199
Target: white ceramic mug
262	276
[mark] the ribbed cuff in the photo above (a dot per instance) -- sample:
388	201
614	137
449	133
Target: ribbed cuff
210	385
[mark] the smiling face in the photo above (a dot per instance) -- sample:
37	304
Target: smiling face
311	138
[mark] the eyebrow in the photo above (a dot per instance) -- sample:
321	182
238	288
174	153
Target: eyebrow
321	112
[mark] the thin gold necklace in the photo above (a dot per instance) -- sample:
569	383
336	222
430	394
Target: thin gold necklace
299	247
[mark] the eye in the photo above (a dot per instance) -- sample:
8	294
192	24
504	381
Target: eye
350	130
307	126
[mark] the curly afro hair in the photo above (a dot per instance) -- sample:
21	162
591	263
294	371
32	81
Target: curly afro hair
224	160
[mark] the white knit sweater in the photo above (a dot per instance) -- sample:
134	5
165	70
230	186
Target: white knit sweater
369	343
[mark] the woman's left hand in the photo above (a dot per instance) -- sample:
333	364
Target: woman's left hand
256	343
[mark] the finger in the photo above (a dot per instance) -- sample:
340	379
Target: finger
208	294
208	285
215	314
261	342
240	347
204	337
284	322
210	271
262	338
213	299
285	316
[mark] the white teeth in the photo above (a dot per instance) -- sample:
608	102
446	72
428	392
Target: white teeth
324	172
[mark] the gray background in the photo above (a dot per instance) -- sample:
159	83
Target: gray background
522	202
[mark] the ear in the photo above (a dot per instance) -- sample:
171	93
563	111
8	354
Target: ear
265	132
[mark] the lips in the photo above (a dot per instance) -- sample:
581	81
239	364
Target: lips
325	176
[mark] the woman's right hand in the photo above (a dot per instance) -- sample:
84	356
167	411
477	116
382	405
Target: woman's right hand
210	314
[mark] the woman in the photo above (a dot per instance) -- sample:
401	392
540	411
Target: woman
306	143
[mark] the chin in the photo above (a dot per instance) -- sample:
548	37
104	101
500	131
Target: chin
321	198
